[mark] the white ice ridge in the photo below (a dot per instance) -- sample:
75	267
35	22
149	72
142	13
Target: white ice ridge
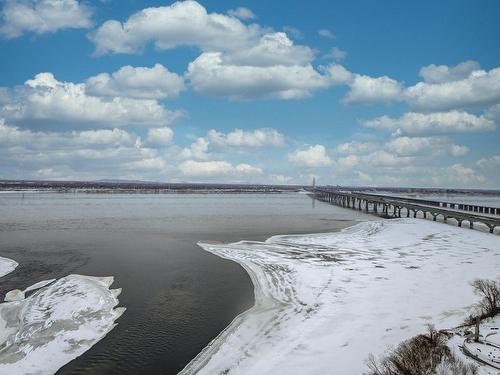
7	266
324	302
57	323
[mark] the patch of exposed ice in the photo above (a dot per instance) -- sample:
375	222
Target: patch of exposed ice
39	285
55	324
7	266
17	294
324	302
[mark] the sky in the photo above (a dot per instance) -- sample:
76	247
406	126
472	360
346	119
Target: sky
371	93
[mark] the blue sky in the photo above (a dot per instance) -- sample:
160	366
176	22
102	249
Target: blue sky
369	93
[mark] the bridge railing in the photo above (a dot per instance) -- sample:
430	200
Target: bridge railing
456	206
356	200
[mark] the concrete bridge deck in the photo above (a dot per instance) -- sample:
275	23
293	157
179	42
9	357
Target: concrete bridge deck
457	206
398	206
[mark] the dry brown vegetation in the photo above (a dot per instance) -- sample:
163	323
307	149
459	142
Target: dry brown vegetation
489	305
428	354
424	354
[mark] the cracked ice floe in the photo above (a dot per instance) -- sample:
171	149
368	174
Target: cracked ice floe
324	302
55	324
7	266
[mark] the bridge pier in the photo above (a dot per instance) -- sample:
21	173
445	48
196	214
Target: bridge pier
392	207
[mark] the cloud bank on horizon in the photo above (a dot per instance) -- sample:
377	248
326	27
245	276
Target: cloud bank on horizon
191	92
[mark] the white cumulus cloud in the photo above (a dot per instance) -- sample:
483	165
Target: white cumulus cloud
336	54
355	147
184	23
43	16
433	123
479	88
45	100
422	146
137	82
195	168
152	163
325	33
458	150
159	136
242	13
491	165
197	150
458	174
409	146
270	50
210	75
313	156
238	61
366	89
243	138
443	73
90	154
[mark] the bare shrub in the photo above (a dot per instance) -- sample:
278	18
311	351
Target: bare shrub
454	366
489	290
419	355
428	354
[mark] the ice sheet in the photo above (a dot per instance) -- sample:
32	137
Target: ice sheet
55	324
7	266
325	302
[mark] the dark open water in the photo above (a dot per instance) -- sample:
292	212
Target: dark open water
178	297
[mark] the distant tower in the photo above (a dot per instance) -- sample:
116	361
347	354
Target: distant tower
314	192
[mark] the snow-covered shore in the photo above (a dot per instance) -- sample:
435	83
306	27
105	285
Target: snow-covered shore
489	329
58	322
325	302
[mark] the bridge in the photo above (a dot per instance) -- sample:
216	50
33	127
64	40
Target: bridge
391	206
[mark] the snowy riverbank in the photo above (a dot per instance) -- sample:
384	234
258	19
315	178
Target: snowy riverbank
325	302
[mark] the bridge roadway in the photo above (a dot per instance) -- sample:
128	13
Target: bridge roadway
396	206
460	206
